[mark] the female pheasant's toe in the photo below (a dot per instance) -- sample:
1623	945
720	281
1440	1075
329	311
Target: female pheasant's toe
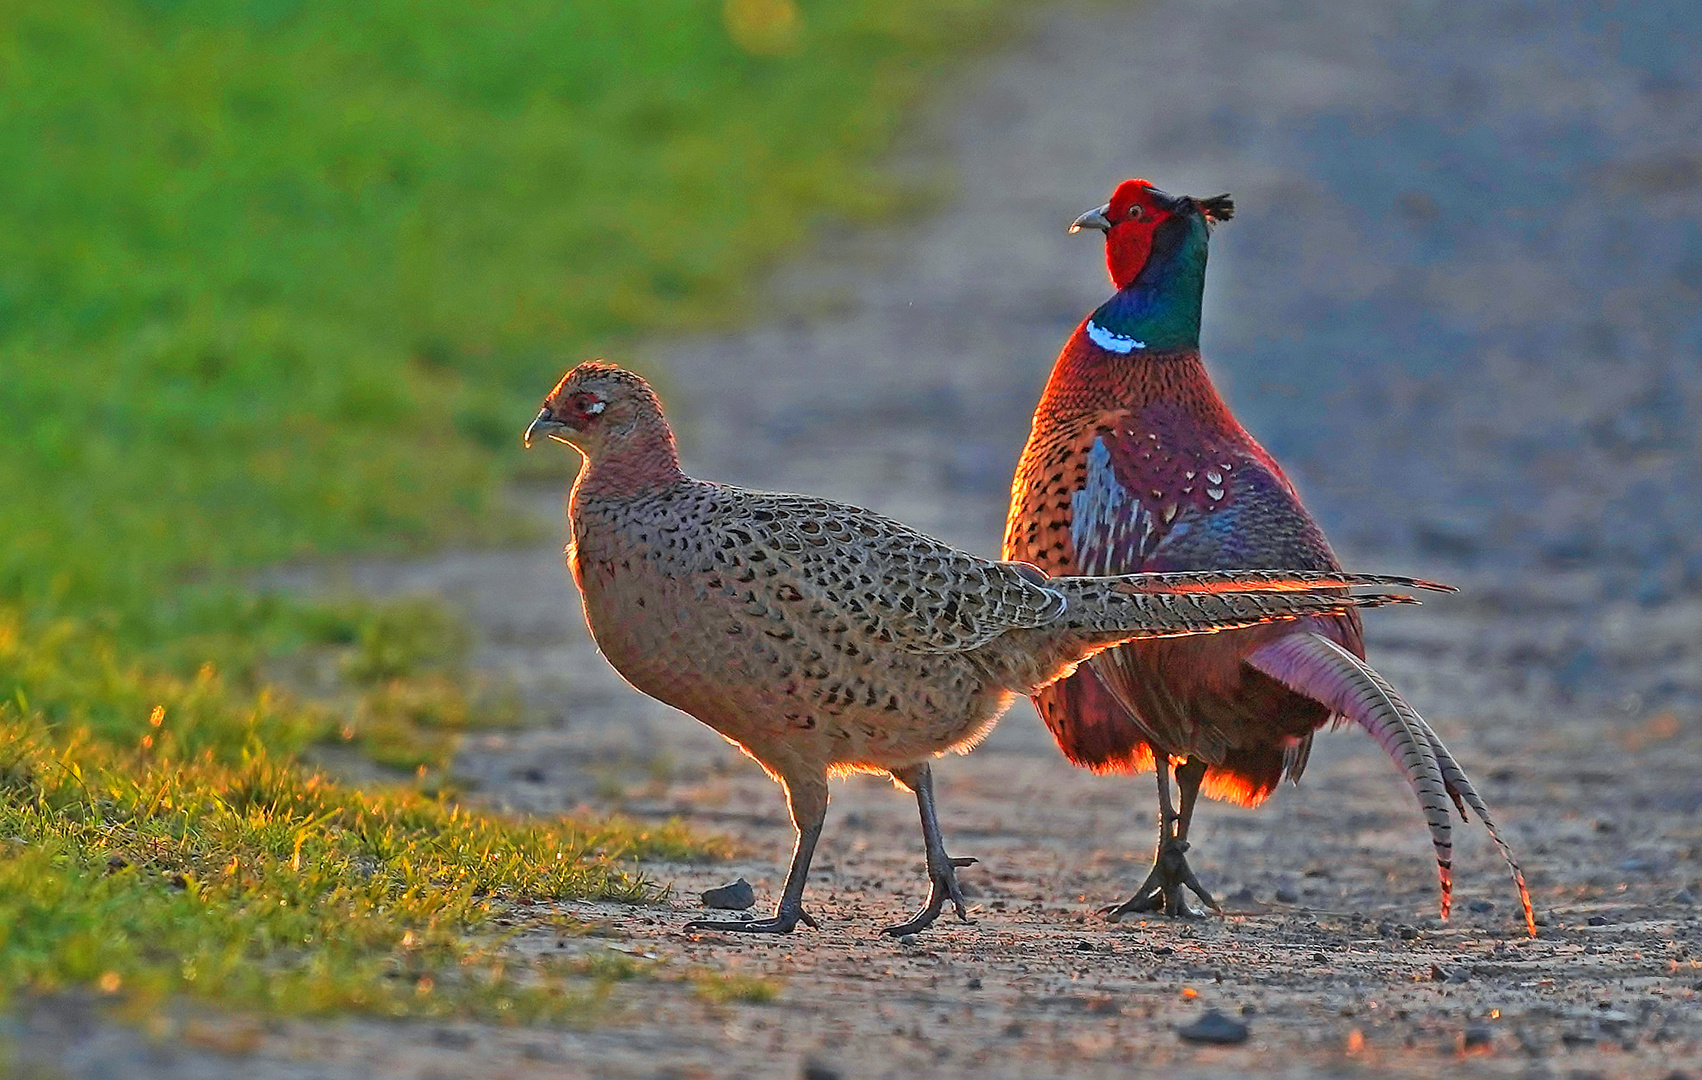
942	886
781	922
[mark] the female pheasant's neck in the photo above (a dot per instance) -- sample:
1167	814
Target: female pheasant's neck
1159	310
647	463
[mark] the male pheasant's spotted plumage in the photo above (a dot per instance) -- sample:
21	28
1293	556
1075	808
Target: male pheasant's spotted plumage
1134	464
821	637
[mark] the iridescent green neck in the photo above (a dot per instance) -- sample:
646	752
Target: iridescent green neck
1160	310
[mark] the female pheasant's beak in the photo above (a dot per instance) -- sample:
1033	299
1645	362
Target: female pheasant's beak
546	425
1093	219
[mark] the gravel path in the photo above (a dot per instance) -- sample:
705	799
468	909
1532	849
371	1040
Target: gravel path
1460	300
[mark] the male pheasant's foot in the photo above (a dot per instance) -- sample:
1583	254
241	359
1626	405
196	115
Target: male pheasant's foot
942	886
781	922
1165	890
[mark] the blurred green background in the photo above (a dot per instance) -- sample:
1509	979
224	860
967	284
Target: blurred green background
284	279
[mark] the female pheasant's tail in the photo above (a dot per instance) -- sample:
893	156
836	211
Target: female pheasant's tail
1104	611
1314	665
1247	581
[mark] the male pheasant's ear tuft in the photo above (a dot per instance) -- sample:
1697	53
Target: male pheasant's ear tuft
1217	208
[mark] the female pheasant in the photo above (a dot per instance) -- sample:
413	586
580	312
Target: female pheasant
1134	463
822	638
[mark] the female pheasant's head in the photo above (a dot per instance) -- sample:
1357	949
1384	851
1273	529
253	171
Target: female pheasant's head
1144	227
603	411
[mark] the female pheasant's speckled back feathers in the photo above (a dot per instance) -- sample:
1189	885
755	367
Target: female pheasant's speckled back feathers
896	585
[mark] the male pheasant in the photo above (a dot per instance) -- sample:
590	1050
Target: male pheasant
823	638
1134	463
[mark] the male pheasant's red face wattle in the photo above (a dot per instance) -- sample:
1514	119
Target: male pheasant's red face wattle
1135	211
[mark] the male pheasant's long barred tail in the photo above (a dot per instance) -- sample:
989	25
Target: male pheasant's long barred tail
1107	610
1464	794
1319	668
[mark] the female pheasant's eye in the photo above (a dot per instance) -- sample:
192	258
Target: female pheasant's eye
587	404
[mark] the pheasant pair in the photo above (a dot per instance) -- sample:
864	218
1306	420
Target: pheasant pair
1135	464
825	639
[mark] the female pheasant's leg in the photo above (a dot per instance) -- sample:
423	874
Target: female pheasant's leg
942	868
807	799
1165	888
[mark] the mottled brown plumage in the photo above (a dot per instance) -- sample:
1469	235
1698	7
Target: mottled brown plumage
824	638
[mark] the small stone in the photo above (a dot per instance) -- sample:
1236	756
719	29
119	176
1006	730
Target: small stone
974	982
1286	896
1477	1035
735	897
815	1070
1685	897
1481	906
1598	920
1014	1029
1448	973
1320	958
1084	946
1216	1029
907	939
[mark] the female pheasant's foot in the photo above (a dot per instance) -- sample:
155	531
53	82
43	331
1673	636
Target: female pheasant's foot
942	878
1165	890
781	922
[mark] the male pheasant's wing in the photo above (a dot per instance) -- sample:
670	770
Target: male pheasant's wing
1144	507
898	587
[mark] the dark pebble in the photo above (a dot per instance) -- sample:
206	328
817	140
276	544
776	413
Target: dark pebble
1014	1029
1448	973
735	897
1477	1035
815	1070
1598	920
1084	946
1481	906
1214	1028
1287	896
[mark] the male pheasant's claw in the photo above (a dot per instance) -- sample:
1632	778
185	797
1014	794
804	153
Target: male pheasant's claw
1165	890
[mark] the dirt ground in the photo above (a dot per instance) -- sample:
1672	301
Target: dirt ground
1460	300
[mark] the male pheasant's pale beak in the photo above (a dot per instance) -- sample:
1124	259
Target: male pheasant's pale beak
545	425
1093	219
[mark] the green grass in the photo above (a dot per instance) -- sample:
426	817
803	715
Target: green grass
281	280
256	883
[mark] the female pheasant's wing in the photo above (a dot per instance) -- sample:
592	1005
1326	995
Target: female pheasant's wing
898	587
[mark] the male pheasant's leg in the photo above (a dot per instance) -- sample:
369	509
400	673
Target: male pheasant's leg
942	868
1165	888
807	800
